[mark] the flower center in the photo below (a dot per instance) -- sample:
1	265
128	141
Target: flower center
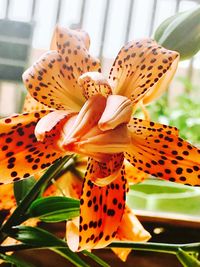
100	129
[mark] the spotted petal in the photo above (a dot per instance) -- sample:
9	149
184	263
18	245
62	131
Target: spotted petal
162	153
64	39
50	126
133	175
53	79
30	104
101	209
7	200
73	46
132	230
94	83
21	155
52	82
142	68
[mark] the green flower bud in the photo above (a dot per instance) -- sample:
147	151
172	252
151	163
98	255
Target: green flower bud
181	33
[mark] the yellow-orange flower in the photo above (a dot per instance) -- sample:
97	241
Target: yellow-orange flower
90	115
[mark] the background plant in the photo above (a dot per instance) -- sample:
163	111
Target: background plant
184	113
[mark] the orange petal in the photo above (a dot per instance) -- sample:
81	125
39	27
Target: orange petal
161	152
139	66
49	127
132	230
52	82
114	164
30	104
73	46
94	83
83	136
145	126
101	209
163	83
133	175
101	145
87	118
21	155
7	199
118	111
65	38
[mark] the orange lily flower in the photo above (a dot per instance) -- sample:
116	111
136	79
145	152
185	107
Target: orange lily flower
102	128
70	185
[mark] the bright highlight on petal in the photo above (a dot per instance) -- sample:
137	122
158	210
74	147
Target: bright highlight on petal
108	142
131	229
118	110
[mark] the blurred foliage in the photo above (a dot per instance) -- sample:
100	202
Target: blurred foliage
184	113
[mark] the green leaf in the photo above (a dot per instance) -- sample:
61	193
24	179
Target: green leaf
40	238
22	188
36	236
186	259
18	216
172	33
54	209
15	261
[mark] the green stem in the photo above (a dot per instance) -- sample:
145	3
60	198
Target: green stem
18	216
157	247
149	246
192	247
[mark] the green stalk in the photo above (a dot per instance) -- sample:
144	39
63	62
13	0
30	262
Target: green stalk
149	246
157	247
18	216
180	250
